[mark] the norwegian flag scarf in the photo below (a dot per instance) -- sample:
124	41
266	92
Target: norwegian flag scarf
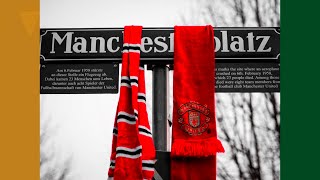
133	152
194	135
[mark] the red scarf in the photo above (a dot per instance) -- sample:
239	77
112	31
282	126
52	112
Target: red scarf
194	135
133	152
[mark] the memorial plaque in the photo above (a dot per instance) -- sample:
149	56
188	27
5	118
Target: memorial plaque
79	78
247	77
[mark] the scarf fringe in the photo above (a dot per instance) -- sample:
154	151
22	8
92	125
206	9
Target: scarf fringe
196	148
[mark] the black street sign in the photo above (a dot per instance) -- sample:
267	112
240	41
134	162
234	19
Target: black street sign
247	59
231	44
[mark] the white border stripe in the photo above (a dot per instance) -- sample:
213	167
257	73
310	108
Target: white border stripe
136	112
131	50
128	156
125	77
112	166
126	114
129	149
131	45
134	77
126	121
149	161
141	100
145	128
125	85
115	134
146	134
147	169
134	51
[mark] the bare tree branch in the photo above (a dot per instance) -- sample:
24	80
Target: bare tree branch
248	123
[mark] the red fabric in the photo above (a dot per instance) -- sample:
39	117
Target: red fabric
133	152
194	135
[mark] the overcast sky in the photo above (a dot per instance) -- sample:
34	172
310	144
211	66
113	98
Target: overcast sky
82	124
107	13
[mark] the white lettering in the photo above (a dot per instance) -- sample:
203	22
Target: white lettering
250	42
146	41
225	41
94	45
217	44
263	44
56	37
109	44
80	47
161	44
171	42
238	43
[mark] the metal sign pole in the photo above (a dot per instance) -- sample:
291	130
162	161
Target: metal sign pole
160	127
159	93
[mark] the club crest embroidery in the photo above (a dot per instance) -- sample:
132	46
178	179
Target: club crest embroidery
194	118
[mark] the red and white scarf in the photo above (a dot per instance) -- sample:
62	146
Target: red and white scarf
194	135
133	152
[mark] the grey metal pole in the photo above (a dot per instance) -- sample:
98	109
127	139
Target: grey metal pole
159	100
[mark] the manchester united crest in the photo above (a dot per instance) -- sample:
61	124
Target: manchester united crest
194	118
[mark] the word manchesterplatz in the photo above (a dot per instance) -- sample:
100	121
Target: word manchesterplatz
156	44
